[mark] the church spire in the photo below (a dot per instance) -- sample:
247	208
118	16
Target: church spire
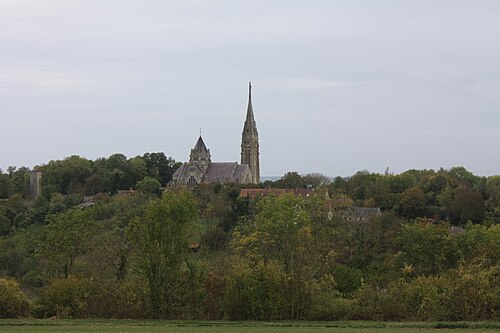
250	117
200	153
250	141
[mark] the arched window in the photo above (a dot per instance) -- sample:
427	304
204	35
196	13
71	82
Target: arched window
192	182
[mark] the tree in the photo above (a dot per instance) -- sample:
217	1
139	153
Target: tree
291	180
65	176
66	236
282	234
160	166
315	180
148	185
379	192
4	185
413	203
467	205
427	248
19	181
160	241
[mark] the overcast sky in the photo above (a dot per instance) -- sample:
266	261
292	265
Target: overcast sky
338	86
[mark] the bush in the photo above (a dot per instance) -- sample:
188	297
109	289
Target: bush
66	298
255	293
87	298
13	302
214	238
326	301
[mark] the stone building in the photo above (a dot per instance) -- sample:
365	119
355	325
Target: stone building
200	168
250	141
35	184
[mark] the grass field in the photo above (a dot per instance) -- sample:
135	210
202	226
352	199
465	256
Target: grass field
126	326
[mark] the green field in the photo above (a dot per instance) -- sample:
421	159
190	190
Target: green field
126	326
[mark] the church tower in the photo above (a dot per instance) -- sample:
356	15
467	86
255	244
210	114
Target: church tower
200	155
250	141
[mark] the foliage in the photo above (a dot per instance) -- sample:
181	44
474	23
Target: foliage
65	237
271	258
161	241
13	302
76	297
148	185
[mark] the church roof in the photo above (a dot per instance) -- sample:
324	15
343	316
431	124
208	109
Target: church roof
200	147
225	172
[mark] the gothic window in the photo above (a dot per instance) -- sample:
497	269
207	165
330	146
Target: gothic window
192	182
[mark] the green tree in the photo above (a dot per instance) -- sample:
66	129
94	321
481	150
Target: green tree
427	248
149	186
66	236
413	203
315	180
467	205
19	181
160	166
281	233
160	240
291	180
65	176
4	185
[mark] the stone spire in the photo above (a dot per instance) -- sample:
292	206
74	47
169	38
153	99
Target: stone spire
250	141
200	154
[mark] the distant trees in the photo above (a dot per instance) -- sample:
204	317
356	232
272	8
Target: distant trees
412	203
211	254
77	174
468	205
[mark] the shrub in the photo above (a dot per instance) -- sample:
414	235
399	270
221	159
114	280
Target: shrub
214	238
326	301
88	298
13	302
66	298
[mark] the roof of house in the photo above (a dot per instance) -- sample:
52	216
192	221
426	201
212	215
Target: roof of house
261	192
364	212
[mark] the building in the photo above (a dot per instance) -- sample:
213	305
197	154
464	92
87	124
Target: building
253	193
250	141
201	170
35	184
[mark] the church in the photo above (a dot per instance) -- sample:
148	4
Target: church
201	170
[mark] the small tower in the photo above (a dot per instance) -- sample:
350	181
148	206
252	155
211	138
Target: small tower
35	184
200	154
250	141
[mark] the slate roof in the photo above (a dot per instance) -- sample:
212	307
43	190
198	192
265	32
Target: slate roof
262	192
224	172
200	146
362	213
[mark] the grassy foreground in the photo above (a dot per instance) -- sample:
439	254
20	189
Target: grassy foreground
126	326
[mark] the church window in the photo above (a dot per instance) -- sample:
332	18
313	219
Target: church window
192	182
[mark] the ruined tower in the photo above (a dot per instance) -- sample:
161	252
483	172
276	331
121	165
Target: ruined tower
250	141
35	184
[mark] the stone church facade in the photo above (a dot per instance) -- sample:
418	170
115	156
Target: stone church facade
201	170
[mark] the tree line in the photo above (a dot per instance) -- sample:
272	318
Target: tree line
211	254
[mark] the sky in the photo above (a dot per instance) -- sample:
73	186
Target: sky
337	86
